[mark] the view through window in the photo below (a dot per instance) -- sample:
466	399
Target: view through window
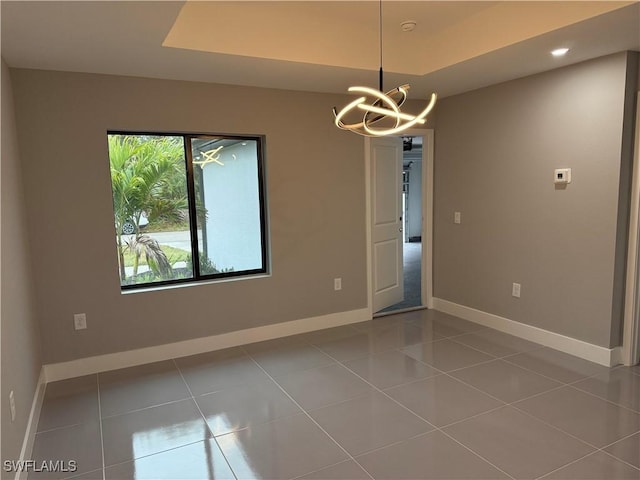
187	207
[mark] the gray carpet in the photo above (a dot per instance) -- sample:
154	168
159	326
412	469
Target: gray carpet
412	278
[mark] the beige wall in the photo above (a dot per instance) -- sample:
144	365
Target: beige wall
20	337
315	187
496	150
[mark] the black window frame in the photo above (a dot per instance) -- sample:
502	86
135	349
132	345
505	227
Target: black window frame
198	277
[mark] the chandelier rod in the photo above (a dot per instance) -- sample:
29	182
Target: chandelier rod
383	105
380	80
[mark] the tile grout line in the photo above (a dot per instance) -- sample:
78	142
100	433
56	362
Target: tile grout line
484	362
436	428
637	412
505	403
620	440
617	458
204	418
307	413
147	455
448	374
517	352
477	454
553	426
540	477
439	373
499	407
589	455
561	385
399	349
506	360
104	470
397	442
342	364
146	408
62	427
586	377
453	339
511	404
569	385
328	466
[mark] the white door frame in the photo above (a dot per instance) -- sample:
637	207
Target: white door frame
631	333
427	217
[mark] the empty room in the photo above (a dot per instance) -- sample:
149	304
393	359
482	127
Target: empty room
320	240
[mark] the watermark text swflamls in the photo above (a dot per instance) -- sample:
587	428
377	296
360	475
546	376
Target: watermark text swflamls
61	466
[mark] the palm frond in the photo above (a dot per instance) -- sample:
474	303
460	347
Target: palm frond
157	260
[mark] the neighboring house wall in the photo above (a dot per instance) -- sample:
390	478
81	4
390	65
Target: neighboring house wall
20	336
233	209
496	151
315	191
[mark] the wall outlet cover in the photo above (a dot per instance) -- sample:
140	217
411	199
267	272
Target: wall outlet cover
515	290
12	405
80	321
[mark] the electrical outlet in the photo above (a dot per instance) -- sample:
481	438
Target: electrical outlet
80	321
337	284
457	217
12	405
515	290
562	176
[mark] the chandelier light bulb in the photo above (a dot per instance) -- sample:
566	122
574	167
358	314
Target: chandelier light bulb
374	112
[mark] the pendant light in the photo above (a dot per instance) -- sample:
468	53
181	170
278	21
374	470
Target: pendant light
378	105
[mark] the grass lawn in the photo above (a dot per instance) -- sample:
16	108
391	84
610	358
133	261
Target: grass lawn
173	254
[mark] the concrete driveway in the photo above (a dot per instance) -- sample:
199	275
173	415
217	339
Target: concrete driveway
180	239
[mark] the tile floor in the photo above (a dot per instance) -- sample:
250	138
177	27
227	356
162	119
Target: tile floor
419	395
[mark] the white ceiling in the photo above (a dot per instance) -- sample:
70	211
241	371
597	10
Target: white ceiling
316	45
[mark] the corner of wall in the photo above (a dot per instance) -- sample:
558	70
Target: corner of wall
624	195
21	348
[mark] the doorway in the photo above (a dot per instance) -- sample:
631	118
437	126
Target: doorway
414	193
411	225
630	352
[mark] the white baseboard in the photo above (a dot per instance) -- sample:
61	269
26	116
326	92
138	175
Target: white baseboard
130	358
594	353
32	424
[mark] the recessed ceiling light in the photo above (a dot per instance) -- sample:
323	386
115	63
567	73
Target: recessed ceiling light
558	52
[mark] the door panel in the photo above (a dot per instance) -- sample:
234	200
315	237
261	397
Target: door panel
385	210
386	273
386	181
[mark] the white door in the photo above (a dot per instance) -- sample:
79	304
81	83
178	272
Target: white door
386	222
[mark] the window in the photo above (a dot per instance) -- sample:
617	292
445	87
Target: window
187	207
